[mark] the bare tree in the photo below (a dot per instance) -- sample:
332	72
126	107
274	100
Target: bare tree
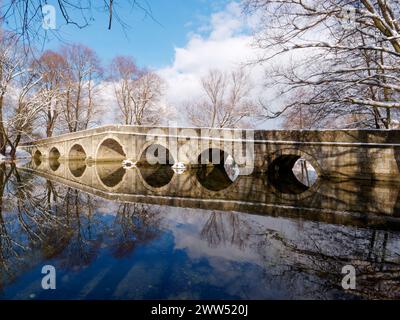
12	65
138	92
26	17
20	104
311	116
345	55
81	80
123	72
146	94
52	67
227	102
134	224
23	109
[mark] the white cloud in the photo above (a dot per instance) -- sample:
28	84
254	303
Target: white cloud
225	42
108	104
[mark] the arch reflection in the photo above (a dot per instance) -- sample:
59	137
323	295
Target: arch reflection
290	174
37	158
159	174
54	154
110	174
54	164
77	168
216	169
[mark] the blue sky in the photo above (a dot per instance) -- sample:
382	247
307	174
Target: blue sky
150	42
182	42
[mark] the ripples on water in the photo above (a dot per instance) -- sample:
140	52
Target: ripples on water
149	233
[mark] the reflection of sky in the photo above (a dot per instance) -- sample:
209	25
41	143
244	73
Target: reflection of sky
158	270
196	254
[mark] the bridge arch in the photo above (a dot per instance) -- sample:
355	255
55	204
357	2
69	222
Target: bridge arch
77	152
54	164
212	171
110	149
156	147
156	177
54	154
37	157
77	167
172	156
110	176
279	169
199	149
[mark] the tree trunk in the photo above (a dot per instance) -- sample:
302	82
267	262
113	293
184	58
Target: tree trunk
3	140
14	146
388	119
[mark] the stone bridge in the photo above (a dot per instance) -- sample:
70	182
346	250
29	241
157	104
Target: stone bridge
353	154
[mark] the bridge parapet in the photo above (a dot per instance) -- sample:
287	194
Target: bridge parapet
357	136
352	154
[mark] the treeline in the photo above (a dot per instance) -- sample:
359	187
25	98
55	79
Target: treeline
58	91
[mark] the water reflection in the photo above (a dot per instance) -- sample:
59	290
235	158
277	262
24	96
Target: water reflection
135	224
305	172
37	158
110	174
157	176
217	169
213	178
136	242
77	167
54	164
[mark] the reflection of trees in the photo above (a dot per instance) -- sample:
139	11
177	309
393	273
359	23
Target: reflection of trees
318	255
62	223
27	223
222	228
134	224
6	242
41	217
66	224
308	262
76	245
33	214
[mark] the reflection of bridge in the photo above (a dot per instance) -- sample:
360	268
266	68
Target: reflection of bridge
339	202
366	154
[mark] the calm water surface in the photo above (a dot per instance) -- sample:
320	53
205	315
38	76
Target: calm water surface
150	233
